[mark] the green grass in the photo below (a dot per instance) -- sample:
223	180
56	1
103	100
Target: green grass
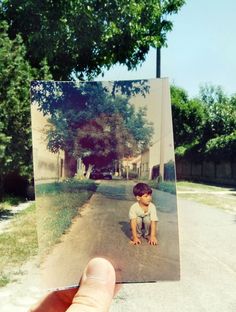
70	185
191	186
18	244
9	201
57	205
207	194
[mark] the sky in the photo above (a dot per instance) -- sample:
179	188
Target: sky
201	49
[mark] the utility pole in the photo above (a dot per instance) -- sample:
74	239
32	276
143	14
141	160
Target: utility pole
162	134
158	49
158	63
162	126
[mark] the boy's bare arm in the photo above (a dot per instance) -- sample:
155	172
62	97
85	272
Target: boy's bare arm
135	240
153	238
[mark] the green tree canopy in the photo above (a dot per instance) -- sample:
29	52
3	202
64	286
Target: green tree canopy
219	132
15	76
188	118
15	124
89	122
220	110
83	37
204	127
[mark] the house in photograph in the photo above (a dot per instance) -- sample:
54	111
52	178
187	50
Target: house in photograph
48	166
160	149
131	166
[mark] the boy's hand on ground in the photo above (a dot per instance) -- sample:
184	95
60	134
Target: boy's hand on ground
135	241
152	241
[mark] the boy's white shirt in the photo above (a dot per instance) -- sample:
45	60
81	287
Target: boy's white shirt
137	211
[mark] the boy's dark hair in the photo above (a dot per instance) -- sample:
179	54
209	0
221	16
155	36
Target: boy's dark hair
142	188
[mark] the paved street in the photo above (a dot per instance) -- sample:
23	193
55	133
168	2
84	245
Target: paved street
208	267
208	271
102	229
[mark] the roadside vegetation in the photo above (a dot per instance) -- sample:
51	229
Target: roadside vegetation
17	245
204	127
215	196
185	186
165	186
9	201
57	205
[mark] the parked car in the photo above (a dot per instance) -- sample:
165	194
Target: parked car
101	174
107	174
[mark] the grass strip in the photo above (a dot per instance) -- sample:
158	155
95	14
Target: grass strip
57	205
207	194
18	244
191	186
70	185
9	201
55	213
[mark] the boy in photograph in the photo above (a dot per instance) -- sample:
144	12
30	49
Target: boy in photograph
143	216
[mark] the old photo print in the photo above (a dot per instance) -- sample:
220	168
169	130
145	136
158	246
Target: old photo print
93	142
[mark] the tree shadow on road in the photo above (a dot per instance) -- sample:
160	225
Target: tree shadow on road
125	227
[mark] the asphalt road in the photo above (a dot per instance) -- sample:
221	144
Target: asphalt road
102	229
208	270
208	267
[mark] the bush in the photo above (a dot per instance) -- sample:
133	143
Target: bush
16	185
70	185
169	171
223	146
165	186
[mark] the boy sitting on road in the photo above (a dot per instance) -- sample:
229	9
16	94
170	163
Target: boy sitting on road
143	214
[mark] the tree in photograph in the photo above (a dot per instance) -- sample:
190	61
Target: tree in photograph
103	140
82	38
89	122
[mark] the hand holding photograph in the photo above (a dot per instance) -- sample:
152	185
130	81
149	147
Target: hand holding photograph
104	173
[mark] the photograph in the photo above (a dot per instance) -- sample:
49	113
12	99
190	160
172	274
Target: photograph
105	181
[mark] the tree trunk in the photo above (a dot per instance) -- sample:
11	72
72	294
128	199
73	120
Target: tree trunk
90	167
70	165
127	170
1	188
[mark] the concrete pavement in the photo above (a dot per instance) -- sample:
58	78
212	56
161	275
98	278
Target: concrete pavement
208	274
208	267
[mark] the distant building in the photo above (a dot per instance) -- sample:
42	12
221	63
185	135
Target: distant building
48	166
160	150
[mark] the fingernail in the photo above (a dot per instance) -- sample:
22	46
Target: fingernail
98	269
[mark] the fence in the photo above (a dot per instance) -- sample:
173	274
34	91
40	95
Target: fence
223	172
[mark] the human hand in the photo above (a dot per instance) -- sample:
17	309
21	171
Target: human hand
135	241
94	294
152	240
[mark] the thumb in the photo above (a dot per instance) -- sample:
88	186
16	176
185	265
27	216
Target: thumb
96	289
